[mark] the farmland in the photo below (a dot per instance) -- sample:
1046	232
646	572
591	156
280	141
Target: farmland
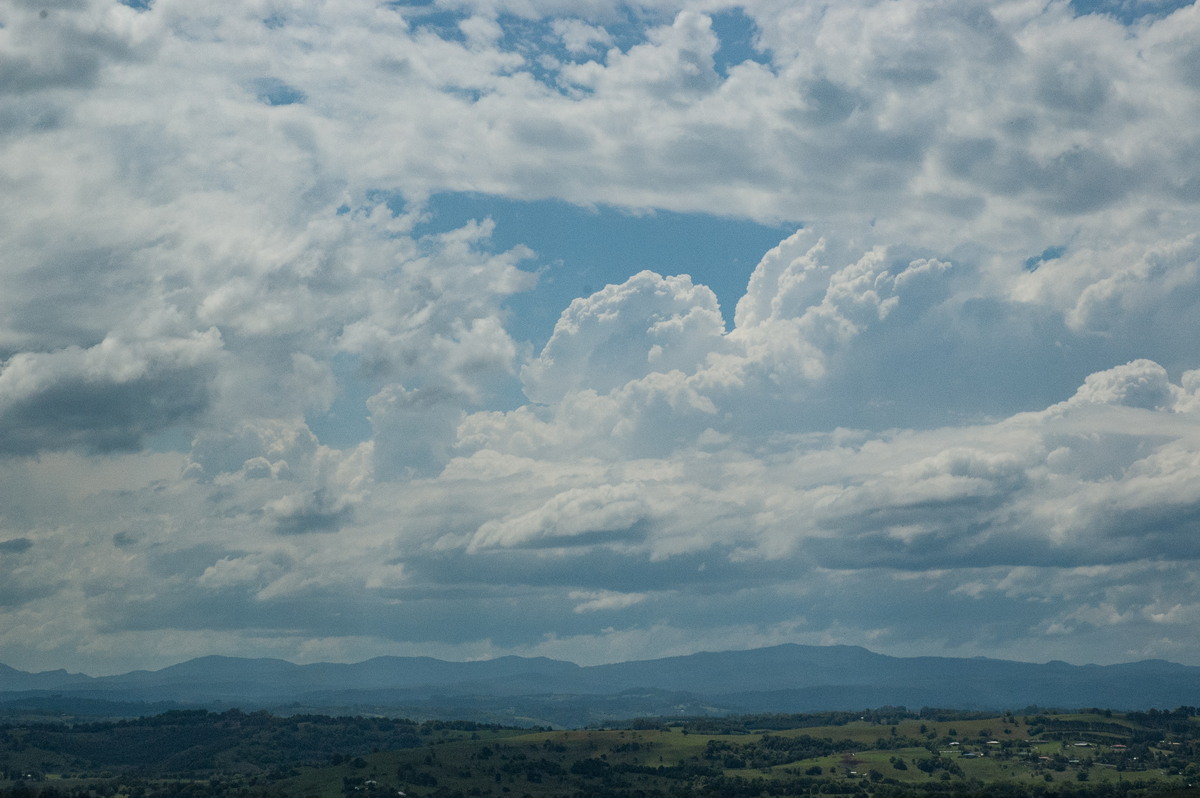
887	752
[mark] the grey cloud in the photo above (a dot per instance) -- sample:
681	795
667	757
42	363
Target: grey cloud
985	29
414	429
1080	180
18	117
100	418
55	50
986	357
551	134
1131	533
71	69
634	533
1189	66
184	561
953	509
975	158
912	57
710	570
277	442
1076	180
1092	456
969	607
827	102
228	610
967	535
708	151
1136	299
108	398
1024	612
318	511
924	607
1129	496
35	304
915	71
511	616
125	539
1074	85
16	592
15	546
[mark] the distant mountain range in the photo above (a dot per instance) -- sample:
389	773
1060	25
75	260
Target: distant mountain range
539	691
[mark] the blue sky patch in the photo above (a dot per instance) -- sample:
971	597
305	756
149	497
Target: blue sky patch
1129	11
580	250
274	91
346	422
443	24
1048	254
737	33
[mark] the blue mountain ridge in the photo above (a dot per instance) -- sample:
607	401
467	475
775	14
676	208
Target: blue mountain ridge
784	678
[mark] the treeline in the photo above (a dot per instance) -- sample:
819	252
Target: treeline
1175	721
754	723
771	750
1139	727
200	742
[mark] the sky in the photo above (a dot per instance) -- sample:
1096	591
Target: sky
597	330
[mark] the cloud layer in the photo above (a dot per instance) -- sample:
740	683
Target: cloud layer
256	398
